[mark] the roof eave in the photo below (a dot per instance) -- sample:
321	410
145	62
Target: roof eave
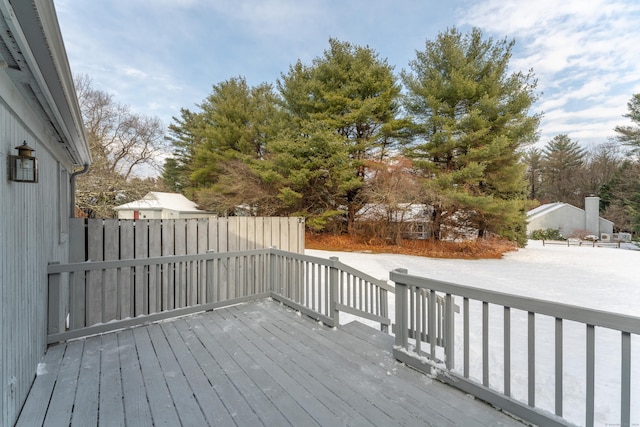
35	37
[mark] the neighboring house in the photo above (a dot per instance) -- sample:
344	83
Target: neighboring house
39	107
156	205
568	219
414	218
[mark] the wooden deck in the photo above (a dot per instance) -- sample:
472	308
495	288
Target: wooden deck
247	365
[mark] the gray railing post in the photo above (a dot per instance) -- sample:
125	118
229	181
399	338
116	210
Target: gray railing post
334	293
449	333
272	268
55	315
384	308
402	306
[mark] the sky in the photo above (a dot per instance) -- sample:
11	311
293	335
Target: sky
158	56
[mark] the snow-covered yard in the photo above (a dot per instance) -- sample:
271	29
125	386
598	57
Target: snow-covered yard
599	278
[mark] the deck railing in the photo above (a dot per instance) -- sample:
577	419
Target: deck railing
417	320
322	288
95	297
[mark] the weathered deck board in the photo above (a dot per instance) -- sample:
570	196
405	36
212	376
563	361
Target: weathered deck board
111	409
136	407
40	396
212	406
61	400
338	382
163	410
86	401
246	365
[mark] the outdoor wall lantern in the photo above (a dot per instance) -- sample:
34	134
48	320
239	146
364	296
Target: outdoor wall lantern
23	167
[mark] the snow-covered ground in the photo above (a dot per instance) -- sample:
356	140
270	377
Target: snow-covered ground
605	279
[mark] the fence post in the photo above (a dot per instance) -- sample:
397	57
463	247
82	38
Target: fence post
55	315
402	337
334	293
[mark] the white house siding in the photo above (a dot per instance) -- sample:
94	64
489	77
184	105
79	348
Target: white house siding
160	214
606	226
570	218
564	217
146	214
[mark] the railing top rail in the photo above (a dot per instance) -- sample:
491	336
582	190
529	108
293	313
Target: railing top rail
339	265
302	257
378	282
123	263
100	265
620	322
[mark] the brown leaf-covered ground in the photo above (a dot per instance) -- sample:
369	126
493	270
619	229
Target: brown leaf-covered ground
475	249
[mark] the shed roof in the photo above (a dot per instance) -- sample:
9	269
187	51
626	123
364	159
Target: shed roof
548	207
155	200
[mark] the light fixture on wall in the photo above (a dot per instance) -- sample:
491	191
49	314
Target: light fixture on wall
23	167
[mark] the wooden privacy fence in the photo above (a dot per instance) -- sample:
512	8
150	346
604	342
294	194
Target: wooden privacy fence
99	296
418	319
113	239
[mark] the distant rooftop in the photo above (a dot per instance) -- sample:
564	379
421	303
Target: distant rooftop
155	200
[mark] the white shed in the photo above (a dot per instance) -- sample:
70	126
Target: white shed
157	205
567	218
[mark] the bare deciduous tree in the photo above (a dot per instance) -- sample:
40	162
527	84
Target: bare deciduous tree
125	147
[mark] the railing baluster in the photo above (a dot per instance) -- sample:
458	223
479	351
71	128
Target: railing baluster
327	293
419	316
485	344
439	320
373	298
559	367
507	351
591	340
432	324
424	300
313	286
412	310
531	321
367	285
342	297
307	283
465	332
625	383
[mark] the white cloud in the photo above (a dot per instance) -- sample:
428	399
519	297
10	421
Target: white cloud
583	53
134	72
